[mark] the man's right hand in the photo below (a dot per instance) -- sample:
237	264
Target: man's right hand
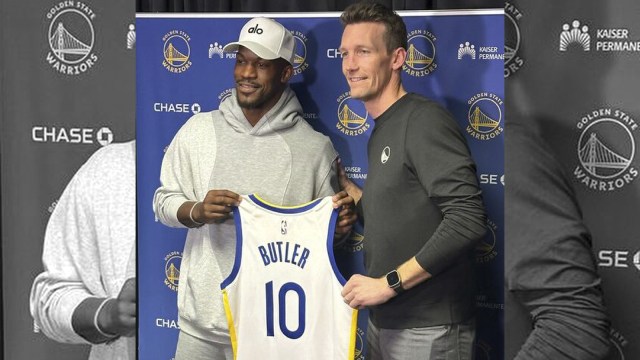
118	316
216	207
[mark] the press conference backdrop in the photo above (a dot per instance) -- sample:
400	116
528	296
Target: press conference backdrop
62	99
454	57
572	70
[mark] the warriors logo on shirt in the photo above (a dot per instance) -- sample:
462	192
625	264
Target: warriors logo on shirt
300	63
485	116
352	116
606	149
176	51
172	269
421	53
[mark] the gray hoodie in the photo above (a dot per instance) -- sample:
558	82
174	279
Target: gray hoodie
281	158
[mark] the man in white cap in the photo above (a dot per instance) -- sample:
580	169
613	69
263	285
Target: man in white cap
257	142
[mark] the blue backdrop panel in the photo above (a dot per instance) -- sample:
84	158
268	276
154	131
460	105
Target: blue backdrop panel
455	58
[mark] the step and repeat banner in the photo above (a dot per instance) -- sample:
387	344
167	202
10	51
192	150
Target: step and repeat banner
571	73
67	89
454	57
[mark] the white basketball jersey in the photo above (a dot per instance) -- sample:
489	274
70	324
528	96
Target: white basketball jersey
282	298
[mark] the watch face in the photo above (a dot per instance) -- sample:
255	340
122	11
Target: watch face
393	279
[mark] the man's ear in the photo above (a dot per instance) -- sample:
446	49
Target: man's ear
287	73
398	57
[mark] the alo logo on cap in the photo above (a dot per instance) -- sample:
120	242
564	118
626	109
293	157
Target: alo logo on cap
255	30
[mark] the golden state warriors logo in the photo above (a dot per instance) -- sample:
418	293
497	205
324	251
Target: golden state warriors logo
421	53
176	51
300	53
485	116
482	350
486	250
359	353
355	242
172	269
224	95
606	149
618	343
352	116
512	61
71	38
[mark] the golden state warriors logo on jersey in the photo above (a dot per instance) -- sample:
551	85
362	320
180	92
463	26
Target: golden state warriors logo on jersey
352	116
300	63
71	38
606	149
486	249
176	51
172	269
485	116
421	53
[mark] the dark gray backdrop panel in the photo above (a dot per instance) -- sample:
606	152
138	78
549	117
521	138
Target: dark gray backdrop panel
35	95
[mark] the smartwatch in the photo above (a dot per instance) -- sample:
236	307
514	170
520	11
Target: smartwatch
394	281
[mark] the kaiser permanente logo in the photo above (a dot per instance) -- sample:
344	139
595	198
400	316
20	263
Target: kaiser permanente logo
469	50
176	51
172	269
606	150
578	35
512	40
421	53
485	116
71	37
300	63
352	116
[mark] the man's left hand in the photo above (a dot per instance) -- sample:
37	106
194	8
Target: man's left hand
362	291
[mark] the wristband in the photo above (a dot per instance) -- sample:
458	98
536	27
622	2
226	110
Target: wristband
198	224
95	321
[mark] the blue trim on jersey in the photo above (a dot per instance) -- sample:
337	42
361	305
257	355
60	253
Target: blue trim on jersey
283	209
236	263
330	235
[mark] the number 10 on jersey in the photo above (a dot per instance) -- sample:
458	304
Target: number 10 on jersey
281	300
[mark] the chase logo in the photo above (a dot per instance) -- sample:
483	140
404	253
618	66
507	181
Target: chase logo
176	51
71	38
575	34
352	116
486	249
606	149
512	40
52	134
485	116
176	107
300	53
421	53
172	269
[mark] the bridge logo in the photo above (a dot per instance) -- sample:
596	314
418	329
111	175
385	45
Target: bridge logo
300	63
352	116
575	34
486	250
512	40
485	116
176	51
606	150
172	269
421	53
71	38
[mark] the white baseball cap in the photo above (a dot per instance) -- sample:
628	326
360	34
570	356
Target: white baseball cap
267	38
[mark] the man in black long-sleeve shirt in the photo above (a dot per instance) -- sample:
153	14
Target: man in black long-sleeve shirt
553	301
421	204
